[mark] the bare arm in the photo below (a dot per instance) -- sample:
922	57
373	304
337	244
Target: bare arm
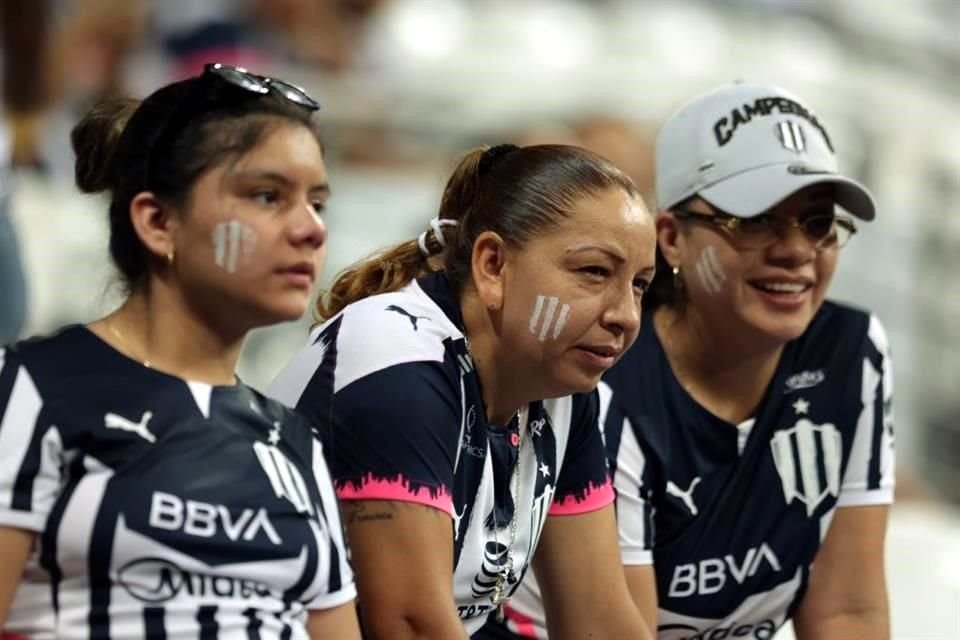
402	555
642	582
338	623
15	545
847	596
585	592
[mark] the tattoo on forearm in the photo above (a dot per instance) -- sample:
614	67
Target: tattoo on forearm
357	511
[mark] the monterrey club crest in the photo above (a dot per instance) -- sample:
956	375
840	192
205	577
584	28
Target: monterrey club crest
791	136
807	458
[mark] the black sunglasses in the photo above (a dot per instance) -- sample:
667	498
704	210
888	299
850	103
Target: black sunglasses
240	77
204	98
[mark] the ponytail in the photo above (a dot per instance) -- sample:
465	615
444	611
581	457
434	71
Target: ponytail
394	267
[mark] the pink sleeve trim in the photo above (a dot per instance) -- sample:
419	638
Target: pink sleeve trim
593	499
398	488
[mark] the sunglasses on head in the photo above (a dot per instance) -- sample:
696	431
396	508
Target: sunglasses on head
240	77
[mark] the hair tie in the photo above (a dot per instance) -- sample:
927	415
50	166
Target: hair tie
436	227
492	155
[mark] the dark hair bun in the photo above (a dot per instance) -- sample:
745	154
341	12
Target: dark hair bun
94	140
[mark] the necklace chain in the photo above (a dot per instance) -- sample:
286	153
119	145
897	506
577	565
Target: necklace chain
123	341
505	573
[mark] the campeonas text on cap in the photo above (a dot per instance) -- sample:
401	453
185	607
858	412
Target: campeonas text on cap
725	128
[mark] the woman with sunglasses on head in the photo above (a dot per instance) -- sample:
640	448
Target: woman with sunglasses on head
144	491
455	378
750	427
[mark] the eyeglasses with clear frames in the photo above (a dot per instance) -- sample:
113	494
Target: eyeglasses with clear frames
759	232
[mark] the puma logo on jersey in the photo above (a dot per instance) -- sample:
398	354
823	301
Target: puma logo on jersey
205	520
413	319
113	421
685	496
710	576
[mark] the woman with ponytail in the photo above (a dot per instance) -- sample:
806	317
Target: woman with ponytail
453	379
144	491
750	428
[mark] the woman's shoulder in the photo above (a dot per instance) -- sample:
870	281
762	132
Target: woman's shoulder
406	312
369	336
390	328
70	349
844	323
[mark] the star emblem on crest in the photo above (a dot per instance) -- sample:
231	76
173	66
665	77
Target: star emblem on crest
274	436
801	406
544	470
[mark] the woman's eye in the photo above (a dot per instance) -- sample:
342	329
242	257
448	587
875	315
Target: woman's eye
595	271
265	196
760	223
641	284
319	206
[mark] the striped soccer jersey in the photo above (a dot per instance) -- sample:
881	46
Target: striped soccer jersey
164	508
405	421
732	516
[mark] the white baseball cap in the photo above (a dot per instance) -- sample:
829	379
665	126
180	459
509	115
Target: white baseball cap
745	147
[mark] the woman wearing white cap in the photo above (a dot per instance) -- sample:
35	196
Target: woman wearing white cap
750	427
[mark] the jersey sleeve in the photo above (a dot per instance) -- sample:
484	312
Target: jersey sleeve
869	477
632	482
340	585
30	449
395	435
584	482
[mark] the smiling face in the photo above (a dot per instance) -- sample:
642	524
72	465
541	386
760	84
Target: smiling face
571	297
770	293
250	241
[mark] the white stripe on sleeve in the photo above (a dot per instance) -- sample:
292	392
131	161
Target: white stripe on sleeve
334	529
632	509
855	490
17	427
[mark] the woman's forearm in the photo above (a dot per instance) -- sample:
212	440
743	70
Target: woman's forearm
432	623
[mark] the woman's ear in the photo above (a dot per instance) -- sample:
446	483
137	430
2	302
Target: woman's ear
488	259
153	223
669	237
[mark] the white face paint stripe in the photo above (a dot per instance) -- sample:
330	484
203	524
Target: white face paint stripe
710	272
713	263
234	245
552	303
706	278
561	321
548	318
219	235
536	314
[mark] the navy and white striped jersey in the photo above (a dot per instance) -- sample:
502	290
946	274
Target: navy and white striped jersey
164	508
732	516
394	385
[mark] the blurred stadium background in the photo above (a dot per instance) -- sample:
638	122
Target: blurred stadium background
408	85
